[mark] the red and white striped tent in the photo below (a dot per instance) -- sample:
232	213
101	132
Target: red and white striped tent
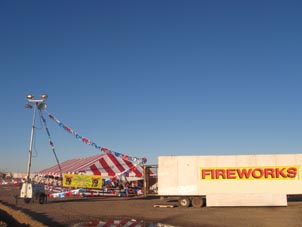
114	223
106	165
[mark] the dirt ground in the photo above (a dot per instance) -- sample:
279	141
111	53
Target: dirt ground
61	212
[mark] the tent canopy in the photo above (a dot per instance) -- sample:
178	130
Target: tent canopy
106	165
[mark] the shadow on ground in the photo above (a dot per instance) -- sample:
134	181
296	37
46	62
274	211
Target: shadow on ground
42	218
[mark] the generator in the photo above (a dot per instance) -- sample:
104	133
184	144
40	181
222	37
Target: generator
33	192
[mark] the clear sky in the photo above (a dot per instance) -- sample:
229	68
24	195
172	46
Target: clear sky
151	78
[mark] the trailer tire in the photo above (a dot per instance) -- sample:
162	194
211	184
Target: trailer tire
198	202
184	202
27	200
42	198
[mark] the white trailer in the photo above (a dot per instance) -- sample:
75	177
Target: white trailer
230	180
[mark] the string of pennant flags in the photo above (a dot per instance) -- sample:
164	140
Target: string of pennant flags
117	175
50	141
93	144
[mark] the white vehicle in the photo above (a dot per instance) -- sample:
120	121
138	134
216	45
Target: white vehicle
229	180
33	192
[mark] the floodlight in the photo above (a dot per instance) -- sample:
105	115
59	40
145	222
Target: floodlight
28	106
44	96
29	96
42	106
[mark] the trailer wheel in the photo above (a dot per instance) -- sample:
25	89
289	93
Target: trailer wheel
42	198
198	202
184	202
27	200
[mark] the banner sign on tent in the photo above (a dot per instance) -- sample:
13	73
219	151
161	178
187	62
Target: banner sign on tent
82	181
91	143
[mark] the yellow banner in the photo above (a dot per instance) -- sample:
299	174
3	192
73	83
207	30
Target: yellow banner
250	173
82	181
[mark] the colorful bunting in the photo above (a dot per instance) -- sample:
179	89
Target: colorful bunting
50	141
89	142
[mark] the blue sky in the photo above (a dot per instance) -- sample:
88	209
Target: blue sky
151	78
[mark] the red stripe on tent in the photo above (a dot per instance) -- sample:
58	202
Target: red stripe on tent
107	167
133	168
109	223
119	223
135	224
116	163
95	170
115	223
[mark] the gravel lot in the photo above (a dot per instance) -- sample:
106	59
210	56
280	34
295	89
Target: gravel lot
70	211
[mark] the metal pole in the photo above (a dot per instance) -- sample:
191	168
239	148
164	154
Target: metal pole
30	145
145	181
